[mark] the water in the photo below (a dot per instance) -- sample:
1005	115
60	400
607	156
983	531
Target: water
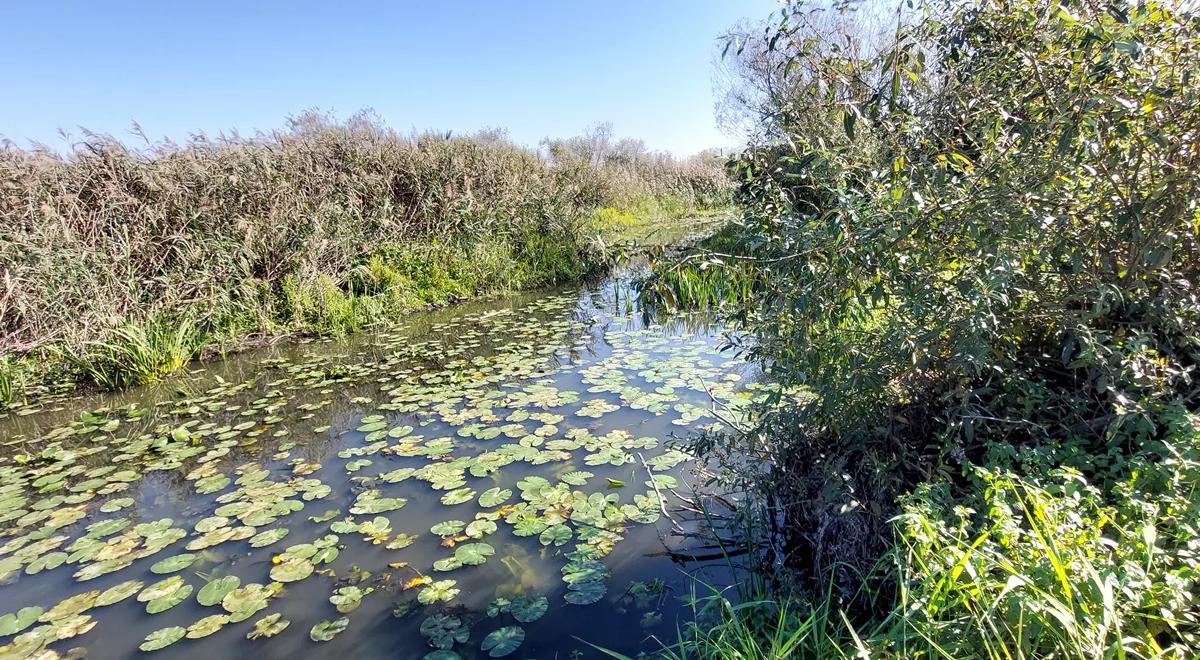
496	394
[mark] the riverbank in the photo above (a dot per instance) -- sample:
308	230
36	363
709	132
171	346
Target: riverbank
120	266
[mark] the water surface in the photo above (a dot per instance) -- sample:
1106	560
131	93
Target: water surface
484	480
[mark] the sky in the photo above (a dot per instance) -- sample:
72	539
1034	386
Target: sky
537	68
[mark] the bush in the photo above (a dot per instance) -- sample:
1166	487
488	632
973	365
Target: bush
975	248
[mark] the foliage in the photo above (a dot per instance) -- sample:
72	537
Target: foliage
324	227
974	245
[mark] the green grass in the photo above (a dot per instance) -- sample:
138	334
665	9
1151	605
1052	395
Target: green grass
138	354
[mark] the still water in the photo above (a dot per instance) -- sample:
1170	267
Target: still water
487	480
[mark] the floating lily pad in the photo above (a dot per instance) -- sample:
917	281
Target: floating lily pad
473	554
480	528
14	622
347	599
528	609
327	630
265	538
448	528
504	641
494	497
243	602
118	593
173	564
458	496
164	603
162	638
292	569
441	631
268	626
215	591
207	626
440	591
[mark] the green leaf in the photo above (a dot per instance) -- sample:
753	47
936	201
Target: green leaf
162	638
215	591
328	629
500	643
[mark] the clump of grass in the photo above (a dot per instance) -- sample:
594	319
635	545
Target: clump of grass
138	354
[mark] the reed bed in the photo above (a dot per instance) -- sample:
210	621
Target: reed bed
322	227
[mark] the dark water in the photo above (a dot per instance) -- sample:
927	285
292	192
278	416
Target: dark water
292	408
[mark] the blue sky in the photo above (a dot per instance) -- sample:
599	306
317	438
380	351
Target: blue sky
536	68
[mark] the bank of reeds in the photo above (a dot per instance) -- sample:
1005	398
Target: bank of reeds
119	264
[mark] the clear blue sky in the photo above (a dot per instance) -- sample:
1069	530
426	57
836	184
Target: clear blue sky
546	68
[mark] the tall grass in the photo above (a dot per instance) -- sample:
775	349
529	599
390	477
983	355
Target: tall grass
289	230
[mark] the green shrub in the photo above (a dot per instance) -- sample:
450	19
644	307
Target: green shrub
974	243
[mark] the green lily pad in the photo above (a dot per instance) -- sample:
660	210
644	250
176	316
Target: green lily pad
268	626
243	602
173	564
458	496
528	609
162	638
480	528
207	626
440	591
215	591
160	589
441	631
473	554
328	629
504	641
555	535
448	528
118	593
14	622
292	569
164	603
585	593
494	497
265	538
347	599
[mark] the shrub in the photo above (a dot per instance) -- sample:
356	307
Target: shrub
975	247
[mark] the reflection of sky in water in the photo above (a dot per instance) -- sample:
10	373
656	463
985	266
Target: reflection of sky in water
602	327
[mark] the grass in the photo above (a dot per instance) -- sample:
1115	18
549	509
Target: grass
138	354
325	227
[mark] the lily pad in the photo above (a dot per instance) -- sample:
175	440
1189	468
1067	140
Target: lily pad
473	554
216	590
528	609
162	638
268	626
504	641
14	622
207	626
292	569
441	631
494	497
164	603
448	528
327	630
440	591
173	564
